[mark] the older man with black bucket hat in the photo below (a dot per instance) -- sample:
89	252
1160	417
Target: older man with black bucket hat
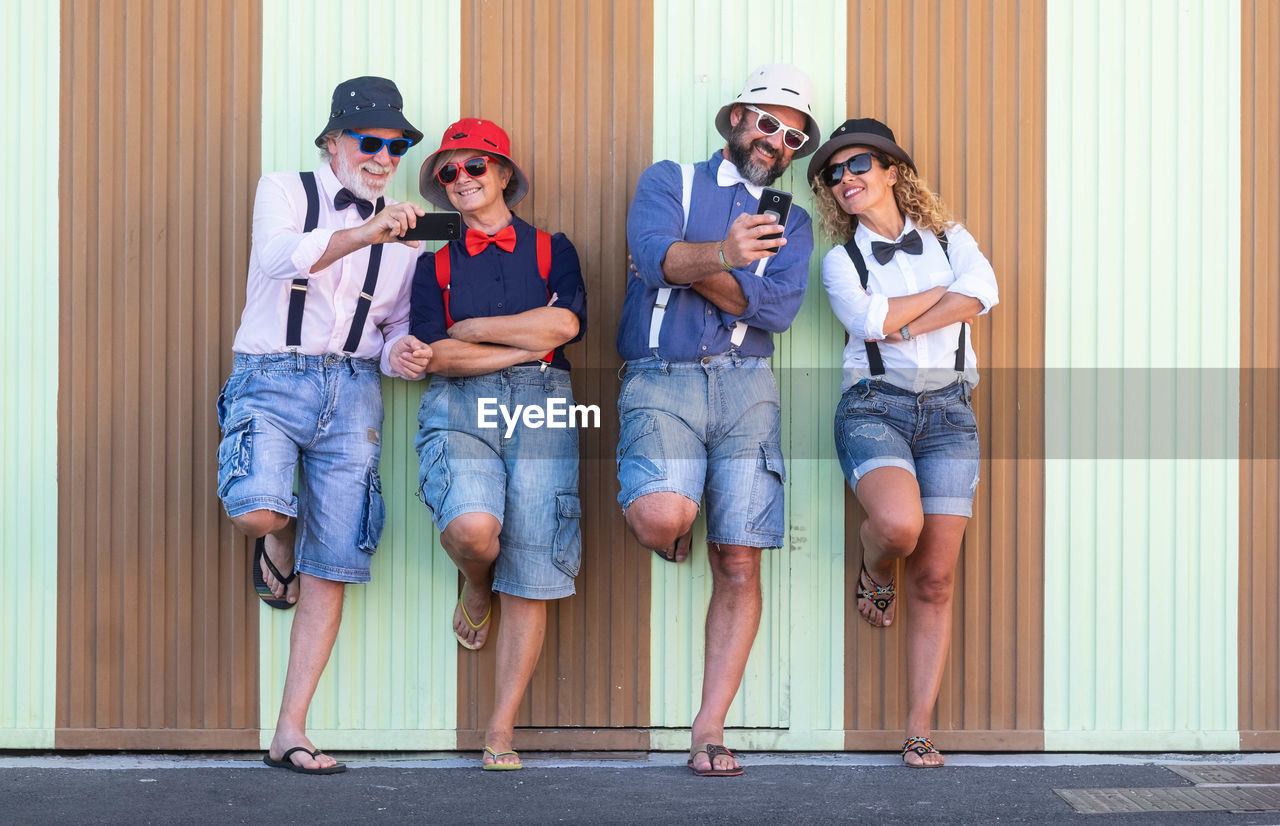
699	406
326	312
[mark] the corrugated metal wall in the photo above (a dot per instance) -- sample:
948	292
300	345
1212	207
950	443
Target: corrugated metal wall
577	117
1142	333
391	681
962	86
159	136
29	238
791	693
1259	615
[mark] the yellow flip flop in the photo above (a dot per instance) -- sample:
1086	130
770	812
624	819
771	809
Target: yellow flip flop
475	626
495	766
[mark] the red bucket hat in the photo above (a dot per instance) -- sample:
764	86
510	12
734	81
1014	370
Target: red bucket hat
482	136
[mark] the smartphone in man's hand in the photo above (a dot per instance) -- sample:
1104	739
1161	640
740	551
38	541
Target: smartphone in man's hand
777	203
435	226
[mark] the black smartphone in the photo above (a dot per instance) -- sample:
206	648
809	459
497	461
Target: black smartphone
777	203
435	226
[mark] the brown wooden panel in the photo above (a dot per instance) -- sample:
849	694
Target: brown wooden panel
954	740
571	82
566	739
1259	616
962	84
160	133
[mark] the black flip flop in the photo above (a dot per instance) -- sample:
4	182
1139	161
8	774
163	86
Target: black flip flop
285	763
670	554
260	584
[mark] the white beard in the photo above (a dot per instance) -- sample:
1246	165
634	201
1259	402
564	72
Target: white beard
351	178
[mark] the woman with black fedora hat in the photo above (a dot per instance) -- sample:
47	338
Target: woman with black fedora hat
498	306
904	279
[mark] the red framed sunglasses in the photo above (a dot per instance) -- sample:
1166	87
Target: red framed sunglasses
474	167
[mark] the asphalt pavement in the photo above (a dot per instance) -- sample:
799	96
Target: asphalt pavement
603	788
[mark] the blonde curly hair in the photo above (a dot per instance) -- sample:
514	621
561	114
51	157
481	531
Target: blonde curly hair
913	197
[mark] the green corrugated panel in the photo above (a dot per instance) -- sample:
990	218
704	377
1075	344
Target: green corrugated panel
29	392
392	682
1142	342
794	678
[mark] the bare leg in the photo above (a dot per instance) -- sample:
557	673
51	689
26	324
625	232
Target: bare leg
891	498
524	625
930	585
663	521
471	540
315	627
278	532
733	617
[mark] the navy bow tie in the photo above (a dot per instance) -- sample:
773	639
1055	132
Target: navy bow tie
346	198
909	243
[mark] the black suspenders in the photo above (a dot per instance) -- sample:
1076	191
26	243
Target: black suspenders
873	347
298	289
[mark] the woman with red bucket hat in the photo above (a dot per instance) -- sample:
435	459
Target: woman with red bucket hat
497	307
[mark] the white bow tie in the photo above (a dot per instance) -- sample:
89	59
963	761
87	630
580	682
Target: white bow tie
728	175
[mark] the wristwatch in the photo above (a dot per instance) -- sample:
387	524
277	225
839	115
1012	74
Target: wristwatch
906	334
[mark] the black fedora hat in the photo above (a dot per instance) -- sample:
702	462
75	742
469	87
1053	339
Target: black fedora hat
858	132
367	102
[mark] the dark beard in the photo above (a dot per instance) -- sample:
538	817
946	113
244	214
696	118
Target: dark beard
740	146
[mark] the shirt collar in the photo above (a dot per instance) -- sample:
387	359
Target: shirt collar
866	236
728	175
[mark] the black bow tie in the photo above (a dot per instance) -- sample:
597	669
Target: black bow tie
909	243
346	198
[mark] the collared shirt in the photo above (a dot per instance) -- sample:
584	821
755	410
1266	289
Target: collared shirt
693	327
282	252
927	361
495	283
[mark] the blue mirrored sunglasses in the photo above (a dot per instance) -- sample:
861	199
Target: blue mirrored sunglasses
370	145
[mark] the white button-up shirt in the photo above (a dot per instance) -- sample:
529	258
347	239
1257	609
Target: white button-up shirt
927	361
282	252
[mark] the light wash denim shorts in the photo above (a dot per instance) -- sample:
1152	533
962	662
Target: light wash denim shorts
320	416
527	480
710	426
933	435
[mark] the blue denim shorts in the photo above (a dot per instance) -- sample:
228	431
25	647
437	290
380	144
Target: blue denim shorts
321	418
525	476
933	435
711	426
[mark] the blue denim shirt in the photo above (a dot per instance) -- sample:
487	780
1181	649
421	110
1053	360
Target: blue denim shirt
694	327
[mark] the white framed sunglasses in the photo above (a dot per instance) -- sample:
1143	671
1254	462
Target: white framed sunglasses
767	124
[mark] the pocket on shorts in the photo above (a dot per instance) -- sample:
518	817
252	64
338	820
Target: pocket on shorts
433	474
767	514
374	514
235	453
568	547
959	416
230	391
855	404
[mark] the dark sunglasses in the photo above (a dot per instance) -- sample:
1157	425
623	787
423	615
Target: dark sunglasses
767	124
370	145
859	164
474	167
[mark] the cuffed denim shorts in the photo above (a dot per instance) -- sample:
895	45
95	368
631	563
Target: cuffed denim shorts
527	479
320	416
710	426
932	435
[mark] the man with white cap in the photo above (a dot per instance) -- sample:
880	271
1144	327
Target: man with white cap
699	405
326	311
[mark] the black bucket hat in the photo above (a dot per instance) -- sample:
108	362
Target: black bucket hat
858	132
367	102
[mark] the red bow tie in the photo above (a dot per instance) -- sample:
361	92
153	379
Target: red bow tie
477	240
